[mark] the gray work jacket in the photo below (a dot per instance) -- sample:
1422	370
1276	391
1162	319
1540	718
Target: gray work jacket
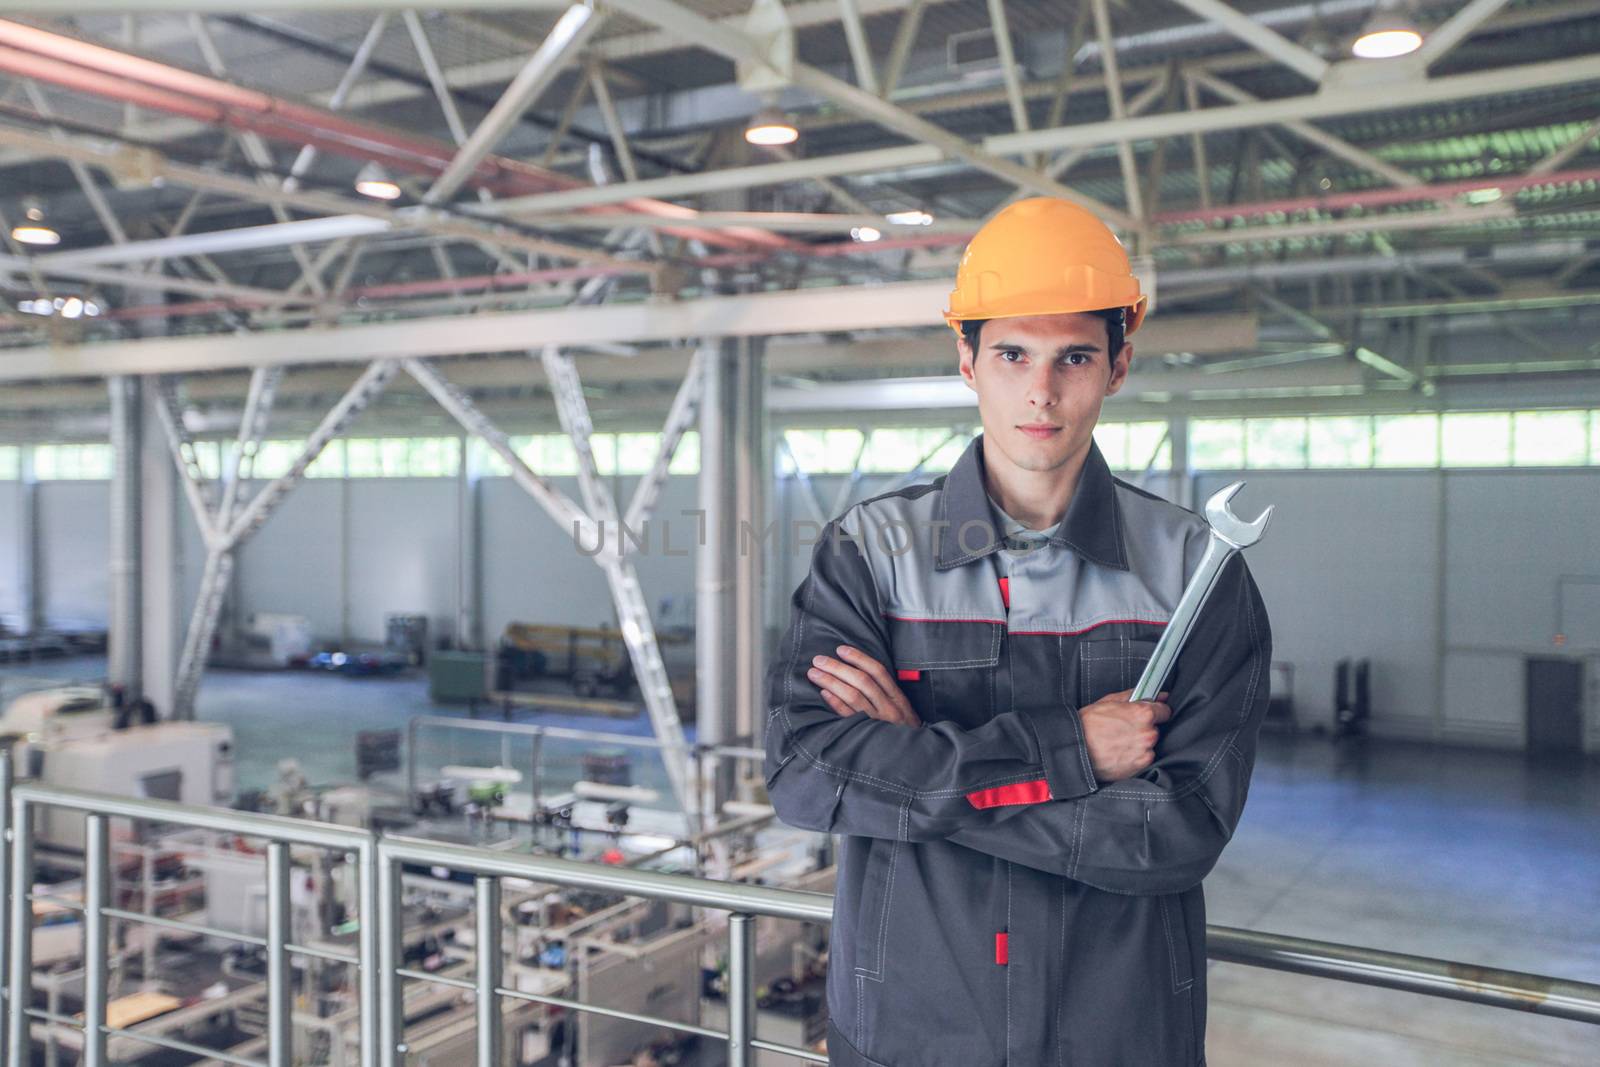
996	905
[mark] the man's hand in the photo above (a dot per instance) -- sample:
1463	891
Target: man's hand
1121	735
858	684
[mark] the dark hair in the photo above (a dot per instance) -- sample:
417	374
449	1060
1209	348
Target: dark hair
1115	319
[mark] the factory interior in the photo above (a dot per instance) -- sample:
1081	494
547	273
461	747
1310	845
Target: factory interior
415	423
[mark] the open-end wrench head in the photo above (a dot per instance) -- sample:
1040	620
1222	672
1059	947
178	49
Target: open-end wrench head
1228	526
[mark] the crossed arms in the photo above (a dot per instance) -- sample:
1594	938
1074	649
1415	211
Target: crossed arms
1022	786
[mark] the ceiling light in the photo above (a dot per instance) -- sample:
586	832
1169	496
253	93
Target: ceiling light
910	218
372	180
35	235
865	233
770	128
1390	31
34	231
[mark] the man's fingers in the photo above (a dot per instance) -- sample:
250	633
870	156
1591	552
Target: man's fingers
859	680
886	681
838	705
1162	711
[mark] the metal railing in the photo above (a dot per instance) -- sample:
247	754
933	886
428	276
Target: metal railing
537	735
379	956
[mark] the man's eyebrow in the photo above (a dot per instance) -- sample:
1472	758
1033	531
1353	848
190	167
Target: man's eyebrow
1065	350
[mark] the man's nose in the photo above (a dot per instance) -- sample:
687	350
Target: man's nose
1042	387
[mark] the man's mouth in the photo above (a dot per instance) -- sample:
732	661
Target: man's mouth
1040	433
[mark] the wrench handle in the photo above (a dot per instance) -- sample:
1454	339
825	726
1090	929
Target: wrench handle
1183	618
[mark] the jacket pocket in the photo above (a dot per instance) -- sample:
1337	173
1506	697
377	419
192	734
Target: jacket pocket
1176	928
1110	666
946	667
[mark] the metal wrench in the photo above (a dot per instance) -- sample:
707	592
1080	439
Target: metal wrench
1229	534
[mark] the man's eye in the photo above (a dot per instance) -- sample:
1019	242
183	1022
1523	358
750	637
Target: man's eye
1076	359
1006	355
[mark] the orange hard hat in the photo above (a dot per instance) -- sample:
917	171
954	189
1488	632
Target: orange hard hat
1042	256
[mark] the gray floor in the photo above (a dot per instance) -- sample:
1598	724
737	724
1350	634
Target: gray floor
1474	856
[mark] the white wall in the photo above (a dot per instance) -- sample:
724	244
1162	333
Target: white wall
1446	580
11	550
74	552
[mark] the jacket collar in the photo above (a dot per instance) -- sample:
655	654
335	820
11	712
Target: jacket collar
1092	526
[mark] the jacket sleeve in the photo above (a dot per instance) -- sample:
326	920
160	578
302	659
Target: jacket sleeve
1162	830
860	776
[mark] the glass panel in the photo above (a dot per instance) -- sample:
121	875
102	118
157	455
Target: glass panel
636	452
486	461
10	463
1275	442
1112	439
1405	441
1339	441
948	453
363	458
433	457
1594	437
825	451
1145	437
686	458
1479	439
72	462
1216	444
330	462
208	455
892	451
604	447
549	454
1550	438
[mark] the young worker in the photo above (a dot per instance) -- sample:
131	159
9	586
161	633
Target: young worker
1021	847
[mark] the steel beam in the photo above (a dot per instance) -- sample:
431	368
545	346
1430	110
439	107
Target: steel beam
737	46
905	35
855	36
680	418
147	165
244	238
1454	30
566	512
1337	146
576	25
1263	39
1354	100
1119	110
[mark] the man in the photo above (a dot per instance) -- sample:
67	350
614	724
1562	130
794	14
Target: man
1022	848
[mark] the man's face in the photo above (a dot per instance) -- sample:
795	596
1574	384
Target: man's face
1040	381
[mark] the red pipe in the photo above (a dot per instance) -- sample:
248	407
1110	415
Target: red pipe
1380	197
161	87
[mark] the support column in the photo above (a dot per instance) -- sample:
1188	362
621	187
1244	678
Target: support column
716	622
469	518
124	651
1181	479
160	557
751	468
30	569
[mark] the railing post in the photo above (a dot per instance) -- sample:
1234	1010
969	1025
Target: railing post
20	961
5	881
741	994
280	998
488	993
96	944
391	990
367	949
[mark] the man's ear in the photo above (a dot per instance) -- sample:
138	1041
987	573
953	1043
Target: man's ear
1119	369
965	357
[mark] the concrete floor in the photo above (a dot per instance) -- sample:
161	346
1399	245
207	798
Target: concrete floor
1474	856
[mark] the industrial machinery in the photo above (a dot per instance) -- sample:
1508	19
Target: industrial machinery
201	977
593	660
